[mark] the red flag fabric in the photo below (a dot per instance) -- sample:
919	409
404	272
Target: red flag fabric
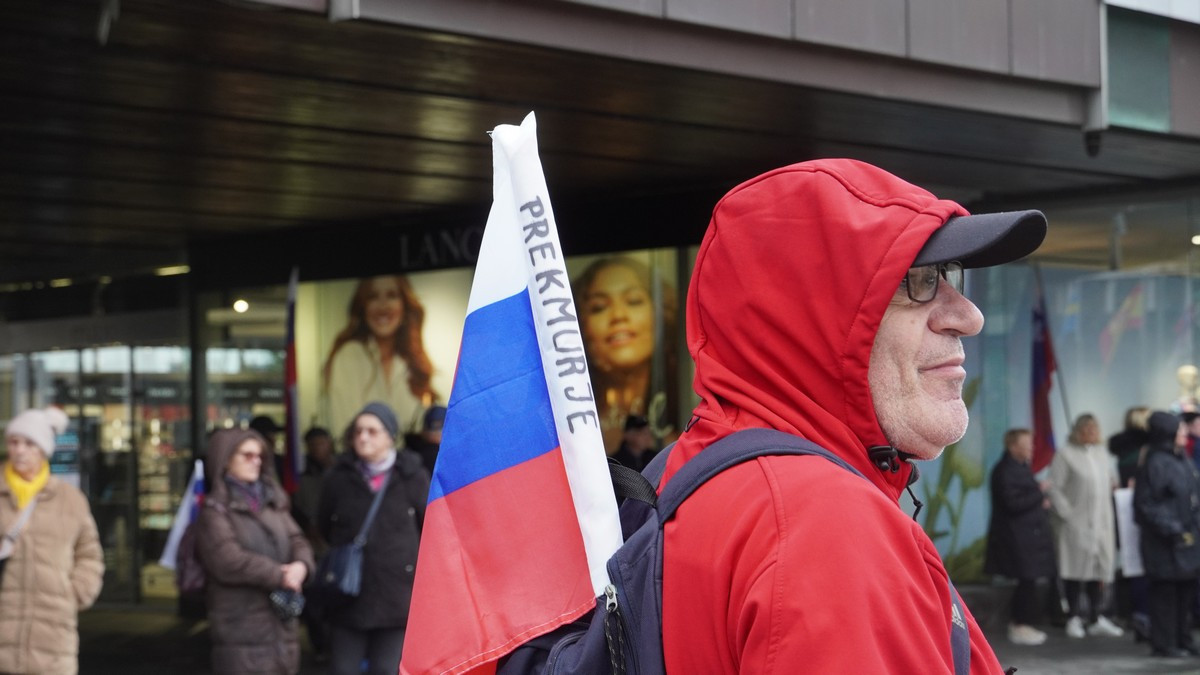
292	458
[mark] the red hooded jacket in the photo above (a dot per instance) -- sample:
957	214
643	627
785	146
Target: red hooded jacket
790	564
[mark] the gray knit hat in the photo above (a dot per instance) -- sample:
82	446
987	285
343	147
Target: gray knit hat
385	415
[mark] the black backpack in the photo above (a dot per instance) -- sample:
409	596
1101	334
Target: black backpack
623	634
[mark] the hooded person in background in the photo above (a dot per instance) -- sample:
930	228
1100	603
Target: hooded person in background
56	565
249	546
827	303
1166	504
371	626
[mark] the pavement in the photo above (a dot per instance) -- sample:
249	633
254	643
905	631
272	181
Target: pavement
152	638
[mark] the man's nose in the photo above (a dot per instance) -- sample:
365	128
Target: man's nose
955	313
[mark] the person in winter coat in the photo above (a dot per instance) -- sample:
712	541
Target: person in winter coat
1081	484
56	566
1166	504
249	546
371	626
1020	544
826	302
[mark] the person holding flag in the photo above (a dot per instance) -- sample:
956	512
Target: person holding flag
826	302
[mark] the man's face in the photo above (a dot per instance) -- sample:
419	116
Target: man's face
916	371
1022	448
320	449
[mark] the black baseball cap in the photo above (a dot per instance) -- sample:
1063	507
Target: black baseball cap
985	239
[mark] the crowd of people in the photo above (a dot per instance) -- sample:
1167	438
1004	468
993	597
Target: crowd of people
896	397
1060	525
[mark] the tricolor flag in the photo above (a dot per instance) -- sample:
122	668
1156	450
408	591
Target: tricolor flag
1042	377
521	516
293	458
189	509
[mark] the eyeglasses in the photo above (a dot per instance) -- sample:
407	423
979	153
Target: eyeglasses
250	456
921	283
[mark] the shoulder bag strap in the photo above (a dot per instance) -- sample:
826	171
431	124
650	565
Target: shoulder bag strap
360	539
10	537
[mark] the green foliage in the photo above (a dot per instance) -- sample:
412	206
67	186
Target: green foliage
966	566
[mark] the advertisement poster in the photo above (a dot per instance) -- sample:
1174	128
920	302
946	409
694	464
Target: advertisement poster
396	339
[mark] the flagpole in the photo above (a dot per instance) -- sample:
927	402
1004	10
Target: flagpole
1062	388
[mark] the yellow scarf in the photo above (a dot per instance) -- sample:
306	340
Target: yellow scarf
24	490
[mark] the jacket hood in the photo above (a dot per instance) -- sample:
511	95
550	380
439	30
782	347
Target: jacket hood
790	285
221	446
1160	431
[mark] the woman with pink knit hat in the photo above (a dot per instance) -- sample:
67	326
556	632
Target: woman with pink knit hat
53	566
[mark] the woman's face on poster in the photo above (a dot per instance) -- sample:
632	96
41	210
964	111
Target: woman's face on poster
618	319
384	307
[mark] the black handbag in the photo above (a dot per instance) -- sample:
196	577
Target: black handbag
339	576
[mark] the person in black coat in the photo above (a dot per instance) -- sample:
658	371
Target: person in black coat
371	627
1166	504
1020	544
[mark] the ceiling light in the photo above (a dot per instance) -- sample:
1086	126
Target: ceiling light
60	283
240	306
172	270
1196	239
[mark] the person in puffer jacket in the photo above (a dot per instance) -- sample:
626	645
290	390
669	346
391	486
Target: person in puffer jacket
827	302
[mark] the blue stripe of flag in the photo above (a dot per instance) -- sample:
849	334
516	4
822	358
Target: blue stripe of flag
499	413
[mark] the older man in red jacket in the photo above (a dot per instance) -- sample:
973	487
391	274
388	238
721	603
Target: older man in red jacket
827	302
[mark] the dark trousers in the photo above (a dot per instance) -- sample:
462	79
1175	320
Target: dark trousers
1024	602
1170	613
1075	590
379	649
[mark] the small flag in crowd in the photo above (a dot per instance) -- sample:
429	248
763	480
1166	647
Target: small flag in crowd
1130	315
186	514
521	516
293	458
1043	369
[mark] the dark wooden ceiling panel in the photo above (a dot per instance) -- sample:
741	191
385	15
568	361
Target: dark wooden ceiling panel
202	121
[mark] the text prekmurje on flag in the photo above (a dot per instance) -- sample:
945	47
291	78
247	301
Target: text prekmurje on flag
521	516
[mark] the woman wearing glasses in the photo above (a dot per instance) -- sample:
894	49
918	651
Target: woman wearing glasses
249	546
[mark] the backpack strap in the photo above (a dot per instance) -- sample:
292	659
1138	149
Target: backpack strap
631	484
960	641
730	451
749	444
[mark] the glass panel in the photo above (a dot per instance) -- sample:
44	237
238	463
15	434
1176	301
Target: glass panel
110	466
163	433
1139	70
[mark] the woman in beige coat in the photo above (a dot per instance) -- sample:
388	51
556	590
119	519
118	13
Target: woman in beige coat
57	567
249	546
1082	478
